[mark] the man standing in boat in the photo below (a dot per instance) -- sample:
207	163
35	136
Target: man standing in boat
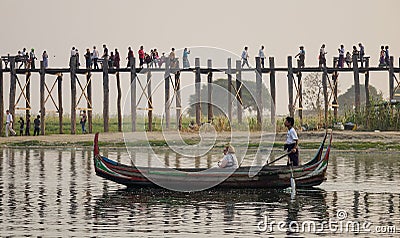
292	141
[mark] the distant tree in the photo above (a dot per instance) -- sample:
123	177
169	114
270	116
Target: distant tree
219	97
313	94
346	100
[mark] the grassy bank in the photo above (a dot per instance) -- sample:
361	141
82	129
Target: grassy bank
337	145
343	140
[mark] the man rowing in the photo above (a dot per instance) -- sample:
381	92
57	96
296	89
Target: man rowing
292	141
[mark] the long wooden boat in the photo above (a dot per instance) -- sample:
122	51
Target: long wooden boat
310	174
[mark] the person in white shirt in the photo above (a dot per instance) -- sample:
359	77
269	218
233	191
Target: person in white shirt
341	56
302	57
9	124
292	141
72	59
95	57
73	51
245	57
262	56
322	59
229	160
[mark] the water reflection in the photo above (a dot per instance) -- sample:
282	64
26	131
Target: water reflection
231	207
56	193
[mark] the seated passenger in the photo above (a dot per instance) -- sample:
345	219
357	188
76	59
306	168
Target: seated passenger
229	160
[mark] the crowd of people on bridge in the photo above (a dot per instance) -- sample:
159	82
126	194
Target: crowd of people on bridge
27	59
384	56
112	59
92	58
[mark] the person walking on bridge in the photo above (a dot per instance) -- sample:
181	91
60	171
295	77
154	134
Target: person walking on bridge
382	57
117	59
261	54
95	55
45	58
362	53
387	56
88	59
105	56
185	58
302	57
141	56
245	57
341	56
130	57
322	58
32	58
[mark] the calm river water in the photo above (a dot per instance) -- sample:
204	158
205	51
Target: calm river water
55	193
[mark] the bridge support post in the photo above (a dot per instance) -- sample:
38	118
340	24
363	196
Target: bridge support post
273	90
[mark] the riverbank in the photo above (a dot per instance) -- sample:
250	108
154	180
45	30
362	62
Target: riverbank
342	140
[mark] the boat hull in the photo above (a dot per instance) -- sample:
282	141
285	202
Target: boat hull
311	174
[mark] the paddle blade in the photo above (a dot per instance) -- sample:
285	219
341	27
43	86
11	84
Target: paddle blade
293	185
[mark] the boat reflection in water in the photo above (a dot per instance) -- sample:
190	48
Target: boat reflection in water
237	211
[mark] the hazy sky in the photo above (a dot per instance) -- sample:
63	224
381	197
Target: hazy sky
281	26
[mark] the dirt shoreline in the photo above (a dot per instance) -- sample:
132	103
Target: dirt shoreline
117	139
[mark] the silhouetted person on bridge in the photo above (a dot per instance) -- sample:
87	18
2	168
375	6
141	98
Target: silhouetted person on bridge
45	58
382	57
362	53
32	58
95	55
322	58
341	56
88	59
117	59
387	56
302	57
261	54
77	58
72	59
130	57
172	59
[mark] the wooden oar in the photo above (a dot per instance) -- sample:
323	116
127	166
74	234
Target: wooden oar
279	158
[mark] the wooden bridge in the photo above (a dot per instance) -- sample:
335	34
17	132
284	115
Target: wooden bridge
172	77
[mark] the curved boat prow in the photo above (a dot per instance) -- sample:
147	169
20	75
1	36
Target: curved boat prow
96	144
